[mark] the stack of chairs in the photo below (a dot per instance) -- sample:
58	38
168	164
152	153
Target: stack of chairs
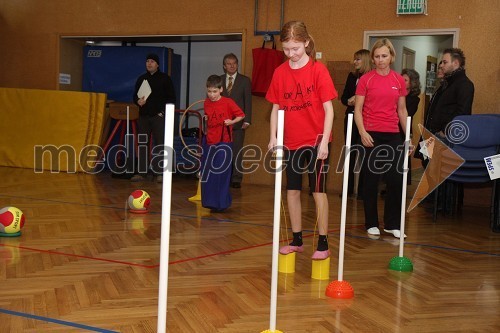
478	137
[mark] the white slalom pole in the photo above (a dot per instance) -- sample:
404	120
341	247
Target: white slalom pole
347	159
403	192
128	131
276	223
168	169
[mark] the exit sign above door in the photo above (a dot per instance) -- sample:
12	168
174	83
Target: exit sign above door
411	7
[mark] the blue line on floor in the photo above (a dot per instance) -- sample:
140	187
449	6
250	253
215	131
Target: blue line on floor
454	249
56	321
438	247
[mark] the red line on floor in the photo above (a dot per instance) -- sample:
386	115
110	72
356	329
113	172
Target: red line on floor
242	249
79	256
157	265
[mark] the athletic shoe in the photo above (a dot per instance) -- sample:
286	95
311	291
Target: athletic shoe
373	231
287	249
320	255
395	232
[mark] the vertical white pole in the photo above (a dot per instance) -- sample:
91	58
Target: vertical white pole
128	131
168	168
347	154
276	225
403	192
128	118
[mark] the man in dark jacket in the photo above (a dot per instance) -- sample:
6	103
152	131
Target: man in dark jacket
453	98
156	89
455	95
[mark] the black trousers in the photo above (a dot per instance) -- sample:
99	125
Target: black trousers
146	127
385	158
355	141
238	139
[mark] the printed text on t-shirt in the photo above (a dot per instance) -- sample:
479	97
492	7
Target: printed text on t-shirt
297	107
298	92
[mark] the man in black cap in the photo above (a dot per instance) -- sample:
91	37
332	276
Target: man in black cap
155	89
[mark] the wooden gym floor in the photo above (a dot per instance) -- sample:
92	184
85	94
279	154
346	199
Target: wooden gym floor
83	265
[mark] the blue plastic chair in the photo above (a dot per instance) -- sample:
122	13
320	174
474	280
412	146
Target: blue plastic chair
473	137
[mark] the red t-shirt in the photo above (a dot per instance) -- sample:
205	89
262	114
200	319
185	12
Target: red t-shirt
216	112
301	94
380	109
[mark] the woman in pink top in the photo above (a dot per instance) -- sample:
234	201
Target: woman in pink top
303	88
380	106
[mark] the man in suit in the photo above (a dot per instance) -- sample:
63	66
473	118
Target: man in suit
238	87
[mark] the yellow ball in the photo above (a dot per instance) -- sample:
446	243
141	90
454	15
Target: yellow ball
11	220
139	200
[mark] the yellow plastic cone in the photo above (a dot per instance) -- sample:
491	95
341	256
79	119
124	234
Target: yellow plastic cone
321	269
197	196
286	263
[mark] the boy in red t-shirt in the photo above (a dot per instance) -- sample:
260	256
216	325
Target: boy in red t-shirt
220	114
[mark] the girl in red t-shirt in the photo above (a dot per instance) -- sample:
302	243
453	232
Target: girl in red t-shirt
380	106
303	88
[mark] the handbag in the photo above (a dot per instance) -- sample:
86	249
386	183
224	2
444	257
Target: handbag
265	62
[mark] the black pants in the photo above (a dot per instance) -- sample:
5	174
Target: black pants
147	126
384	158
355	140
304	160
238	139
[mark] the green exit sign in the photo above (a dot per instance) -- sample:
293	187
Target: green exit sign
411	7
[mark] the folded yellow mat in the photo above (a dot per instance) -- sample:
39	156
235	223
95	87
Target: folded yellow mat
49	129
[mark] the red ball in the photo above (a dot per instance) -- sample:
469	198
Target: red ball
11	220
139	200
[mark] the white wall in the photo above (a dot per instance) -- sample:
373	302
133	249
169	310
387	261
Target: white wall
206	59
